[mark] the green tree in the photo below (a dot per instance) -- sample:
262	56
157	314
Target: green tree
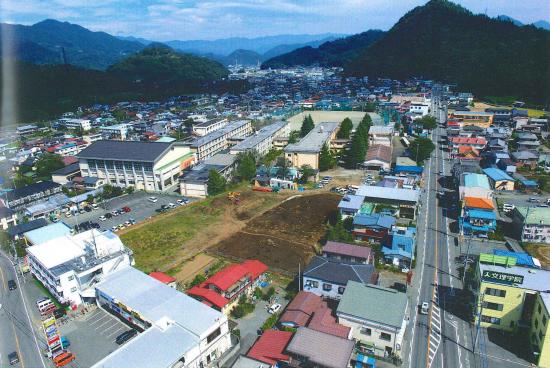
326	159
345	129
338	231
307	172
421	149
47	163
370	107
367	119
307	125
293	136
357	151
216	182
428	122
246	168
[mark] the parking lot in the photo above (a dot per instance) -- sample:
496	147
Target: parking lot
140	209
521	200
92	336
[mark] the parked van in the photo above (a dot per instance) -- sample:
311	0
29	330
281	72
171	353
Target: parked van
63	359
45	306
508	207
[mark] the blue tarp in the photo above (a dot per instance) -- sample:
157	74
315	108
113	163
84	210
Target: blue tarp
480	214
409	169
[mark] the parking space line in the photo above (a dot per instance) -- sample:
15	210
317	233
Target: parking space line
103	324
116	325
116	332
98	320
92	315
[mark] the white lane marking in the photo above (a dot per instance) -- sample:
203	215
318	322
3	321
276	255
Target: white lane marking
413	328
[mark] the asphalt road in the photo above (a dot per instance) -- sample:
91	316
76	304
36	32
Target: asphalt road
16	332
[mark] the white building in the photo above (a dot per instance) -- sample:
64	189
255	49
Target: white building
420	108
376	316
209	126
178	331
69	266
83	124
118	131
149	166
210	144
262	141
534	223
194	182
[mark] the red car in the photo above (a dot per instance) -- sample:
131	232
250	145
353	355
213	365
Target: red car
126	209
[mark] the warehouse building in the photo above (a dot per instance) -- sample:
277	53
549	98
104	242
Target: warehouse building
306	151
148	166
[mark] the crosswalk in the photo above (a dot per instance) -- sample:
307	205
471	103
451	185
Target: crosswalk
434	326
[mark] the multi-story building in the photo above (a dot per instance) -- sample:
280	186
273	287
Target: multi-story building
376	316
262	141
22	197
534	223
177	330
70	265
540	329
210	144
306	151
420	108
209	126
478	118
149	166
194	182
82	124
118	131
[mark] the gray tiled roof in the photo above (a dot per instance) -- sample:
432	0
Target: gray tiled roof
373	303
339	272
124	150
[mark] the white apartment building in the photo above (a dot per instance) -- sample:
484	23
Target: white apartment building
69	123
149	166
534	223
262	141
118	131
420	108
210	144
209	126
69	266
178	331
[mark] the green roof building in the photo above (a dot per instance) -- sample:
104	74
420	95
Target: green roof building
534	223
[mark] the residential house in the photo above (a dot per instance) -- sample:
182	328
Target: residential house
405	200
350	253
373	228
222	290
478	216
328	278
8	217
377	317
65	174
527	141
164	278
472	143
270	348
525	158
475	185
378	157
19	198
350	205
533	223
399	249
500	181
318	349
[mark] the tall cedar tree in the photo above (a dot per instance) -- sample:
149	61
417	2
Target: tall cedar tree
359	144
420	149
307	126
326	159
247	166
216	183
345	129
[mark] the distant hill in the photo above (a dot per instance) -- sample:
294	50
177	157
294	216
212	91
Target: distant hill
446	42
44	42
260	45
243	57
510	19
542	24
332	53
45	91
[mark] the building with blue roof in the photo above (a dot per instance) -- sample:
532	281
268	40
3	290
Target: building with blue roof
375	227
350	205
408	170
47	233
478	221
499	179
522	258
476	180
399	249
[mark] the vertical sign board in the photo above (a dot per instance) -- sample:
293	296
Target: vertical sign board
52	335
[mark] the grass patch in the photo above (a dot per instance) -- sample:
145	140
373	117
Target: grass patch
158	242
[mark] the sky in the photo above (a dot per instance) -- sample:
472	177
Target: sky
164	20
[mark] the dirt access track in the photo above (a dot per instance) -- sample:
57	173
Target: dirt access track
285	235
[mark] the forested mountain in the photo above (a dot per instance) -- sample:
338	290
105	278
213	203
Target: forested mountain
332	53
46	41
44	91
446	42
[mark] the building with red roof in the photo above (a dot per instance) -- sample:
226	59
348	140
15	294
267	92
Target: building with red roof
223	289
270	347
164	278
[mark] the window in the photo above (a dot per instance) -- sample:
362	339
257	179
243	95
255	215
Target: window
365	331
495	292
385	336
327	287
493	306
312	284
544	320
213	335
70	278
341	290
488	319
539	309
73	289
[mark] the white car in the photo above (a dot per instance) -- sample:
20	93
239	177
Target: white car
153	199
274	308
95	206
171	205
102	218
424	308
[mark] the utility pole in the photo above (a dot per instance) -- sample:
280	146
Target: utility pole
478	322
467	258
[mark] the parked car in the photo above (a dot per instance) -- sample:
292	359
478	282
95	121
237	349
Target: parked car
13	358
274	308
424	308
127	223
114	213
152	199
12	285
108	215
95	206
63	359
132	221
506	207
65	343
126	209
114	228
102	218
88	209
171	205
125	336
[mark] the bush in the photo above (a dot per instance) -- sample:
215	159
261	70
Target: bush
197	280
270	322
268	294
